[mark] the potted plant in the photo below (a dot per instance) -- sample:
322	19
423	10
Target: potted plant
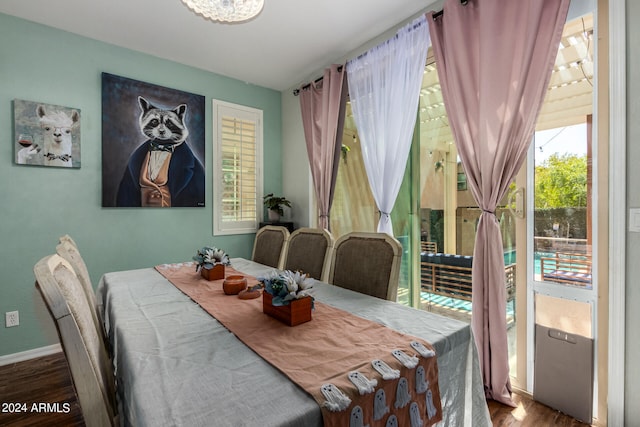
274	205
210	261
288	296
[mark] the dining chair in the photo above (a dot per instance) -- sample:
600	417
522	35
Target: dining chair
270	246
91	369
368	263
309	251
69	251
67	238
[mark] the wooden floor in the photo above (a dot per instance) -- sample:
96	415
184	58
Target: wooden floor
46	380
528	413
26	385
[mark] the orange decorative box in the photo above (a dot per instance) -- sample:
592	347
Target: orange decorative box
296	312
214	273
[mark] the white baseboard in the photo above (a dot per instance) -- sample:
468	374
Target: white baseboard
30	354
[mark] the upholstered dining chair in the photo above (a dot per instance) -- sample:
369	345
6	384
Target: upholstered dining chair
69	239
309	251
270	246
91	369
69	251
368	263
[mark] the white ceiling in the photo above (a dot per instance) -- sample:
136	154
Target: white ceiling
286	45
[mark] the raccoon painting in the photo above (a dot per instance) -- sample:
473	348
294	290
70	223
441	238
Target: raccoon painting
166	127
163	171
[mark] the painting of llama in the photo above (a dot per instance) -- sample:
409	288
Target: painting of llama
152	145
46	135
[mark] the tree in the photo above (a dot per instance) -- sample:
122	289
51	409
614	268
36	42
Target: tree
561	181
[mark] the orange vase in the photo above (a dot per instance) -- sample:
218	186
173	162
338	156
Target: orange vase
232	285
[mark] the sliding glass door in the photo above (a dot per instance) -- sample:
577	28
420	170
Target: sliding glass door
553	218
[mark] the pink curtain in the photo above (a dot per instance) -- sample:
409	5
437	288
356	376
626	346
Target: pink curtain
494	59
322	104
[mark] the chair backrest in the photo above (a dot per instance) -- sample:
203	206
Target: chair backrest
91	369
309	251
69	239
368	263
70	252
270	246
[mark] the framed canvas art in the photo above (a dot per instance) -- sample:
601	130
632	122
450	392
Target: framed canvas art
46	134
152	145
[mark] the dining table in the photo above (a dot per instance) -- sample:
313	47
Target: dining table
176	365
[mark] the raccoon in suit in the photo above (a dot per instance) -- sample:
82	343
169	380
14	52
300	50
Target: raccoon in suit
162	171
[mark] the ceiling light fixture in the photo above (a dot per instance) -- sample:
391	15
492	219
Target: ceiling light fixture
225	10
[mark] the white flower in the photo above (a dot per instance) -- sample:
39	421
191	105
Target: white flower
215	255
209	256
287	285
289	279
298	284
306	284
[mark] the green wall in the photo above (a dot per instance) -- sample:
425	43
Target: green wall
39	204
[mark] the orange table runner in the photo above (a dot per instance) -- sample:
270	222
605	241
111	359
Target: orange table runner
324	352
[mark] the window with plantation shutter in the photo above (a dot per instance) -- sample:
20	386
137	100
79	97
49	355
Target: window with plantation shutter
237	189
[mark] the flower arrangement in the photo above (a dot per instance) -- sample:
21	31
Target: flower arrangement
207	257
286	286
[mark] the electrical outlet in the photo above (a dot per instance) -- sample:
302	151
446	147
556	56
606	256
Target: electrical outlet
11	318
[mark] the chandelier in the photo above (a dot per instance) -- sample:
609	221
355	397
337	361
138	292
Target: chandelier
225	10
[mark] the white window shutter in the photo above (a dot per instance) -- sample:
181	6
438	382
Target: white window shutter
237	172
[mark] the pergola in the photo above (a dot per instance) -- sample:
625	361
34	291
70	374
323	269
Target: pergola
568	102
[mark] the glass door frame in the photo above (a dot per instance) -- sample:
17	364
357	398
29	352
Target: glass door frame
534	286
603	176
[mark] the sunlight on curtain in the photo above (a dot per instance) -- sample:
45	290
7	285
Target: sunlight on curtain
384	87
354	208
492	115
322	105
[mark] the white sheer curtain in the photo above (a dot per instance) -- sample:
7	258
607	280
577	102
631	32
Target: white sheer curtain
384	87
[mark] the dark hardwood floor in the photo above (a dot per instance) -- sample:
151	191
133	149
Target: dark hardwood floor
47	380
26	385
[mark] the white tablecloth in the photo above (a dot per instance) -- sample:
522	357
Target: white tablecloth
177	366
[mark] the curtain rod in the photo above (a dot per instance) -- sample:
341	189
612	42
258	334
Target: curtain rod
319	79
387	41
439	13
